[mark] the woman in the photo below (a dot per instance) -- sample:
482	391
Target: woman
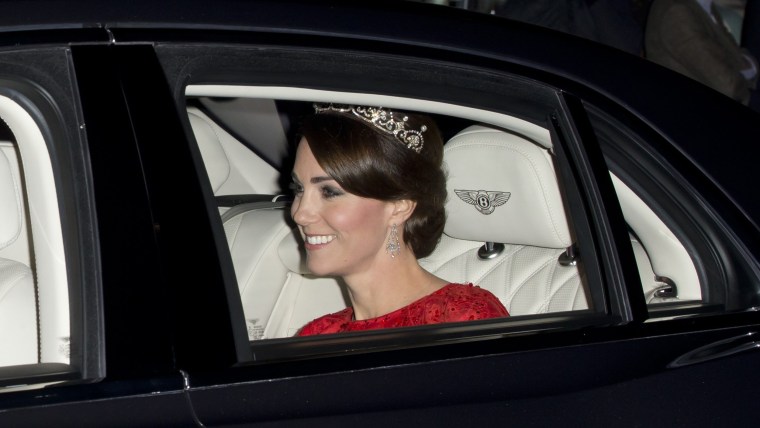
369	201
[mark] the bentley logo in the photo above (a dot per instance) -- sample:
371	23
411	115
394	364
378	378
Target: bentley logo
483	200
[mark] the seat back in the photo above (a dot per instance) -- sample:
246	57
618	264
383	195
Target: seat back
278	294
511	198
231	167
18	302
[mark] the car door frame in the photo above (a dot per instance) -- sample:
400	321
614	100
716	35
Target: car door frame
252	392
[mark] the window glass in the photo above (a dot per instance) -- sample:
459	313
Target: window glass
246	136
666	270
34	300
687	261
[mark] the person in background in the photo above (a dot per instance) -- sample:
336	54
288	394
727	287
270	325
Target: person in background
369	201
688	36
750	40
611	22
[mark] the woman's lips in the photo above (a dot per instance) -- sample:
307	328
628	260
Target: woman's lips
313	242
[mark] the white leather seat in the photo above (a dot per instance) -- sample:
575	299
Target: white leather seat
503	189
278	294
231	167
18	303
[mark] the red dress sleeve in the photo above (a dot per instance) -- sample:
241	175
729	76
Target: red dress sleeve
469	303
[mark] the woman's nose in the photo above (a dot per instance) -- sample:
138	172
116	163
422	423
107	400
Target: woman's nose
302	211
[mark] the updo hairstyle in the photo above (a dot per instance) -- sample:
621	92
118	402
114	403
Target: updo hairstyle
371	163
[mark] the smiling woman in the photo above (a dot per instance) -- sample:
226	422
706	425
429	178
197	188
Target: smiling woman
369	202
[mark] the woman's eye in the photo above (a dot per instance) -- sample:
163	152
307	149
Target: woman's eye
296	188
329	192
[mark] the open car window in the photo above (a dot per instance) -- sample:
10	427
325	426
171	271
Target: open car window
585	265
34	292
50	312
684	266
516	251
520	247
666	270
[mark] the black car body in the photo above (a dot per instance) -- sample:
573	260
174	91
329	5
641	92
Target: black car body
156	334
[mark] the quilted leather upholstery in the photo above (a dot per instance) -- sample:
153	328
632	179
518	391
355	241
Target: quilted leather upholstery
527	279
484	163
526	276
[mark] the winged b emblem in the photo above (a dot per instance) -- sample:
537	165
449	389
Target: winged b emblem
483	200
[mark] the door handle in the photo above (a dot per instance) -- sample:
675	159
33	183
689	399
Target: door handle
720	349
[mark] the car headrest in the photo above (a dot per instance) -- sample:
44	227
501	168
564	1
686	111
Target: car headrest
10	204
502	188
292	254
214	156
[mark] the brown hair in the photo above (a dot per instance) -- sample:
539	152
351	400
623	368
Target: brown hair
371	163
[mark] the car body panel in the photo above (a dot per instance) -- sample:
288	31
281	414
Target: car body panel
171	334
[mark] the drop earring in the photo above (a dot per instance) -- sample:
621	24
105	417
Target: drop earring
394	247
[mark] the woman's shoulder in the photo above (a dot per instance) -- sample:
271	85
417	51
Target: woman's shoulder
466	291
330	323
470	302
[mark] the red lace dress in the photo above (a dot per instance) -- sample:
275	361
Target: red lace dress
451	303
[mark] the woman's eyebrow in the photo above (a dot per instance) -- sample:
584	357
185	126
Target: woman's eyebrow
313	180
319	179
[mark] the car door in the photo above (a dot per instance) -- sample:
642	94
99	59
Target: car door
104	352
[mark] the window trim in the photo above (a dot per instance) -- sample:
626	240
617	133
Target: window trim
44	148
278	349
190	66
47	92
613	250
631	147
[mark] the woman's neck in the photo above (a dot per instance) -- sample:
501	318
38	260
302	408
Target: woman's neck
393	284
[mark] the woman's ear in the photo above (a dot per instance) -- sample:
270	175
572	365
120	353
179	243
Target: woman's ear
402	210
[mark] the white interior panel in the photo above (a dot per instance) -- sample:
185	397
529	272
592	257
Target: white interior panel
232	168
519	126
47	240
18	248
667	255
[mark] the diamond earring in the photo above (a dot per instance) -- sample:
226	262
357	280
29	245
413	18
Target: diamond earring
394	247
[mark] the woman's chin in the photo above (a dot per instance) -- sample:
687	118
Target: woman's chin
319	269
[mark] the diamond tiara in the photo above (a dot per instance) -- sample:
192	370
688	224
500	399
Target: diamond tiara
381	119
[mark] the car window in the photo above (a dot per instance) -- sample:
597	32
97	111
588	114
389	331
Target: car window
666	270
34	297
217	85
679	246
50	308
529	261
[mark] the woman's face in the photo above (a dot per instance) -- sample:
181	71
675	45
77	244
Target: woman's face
344	234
